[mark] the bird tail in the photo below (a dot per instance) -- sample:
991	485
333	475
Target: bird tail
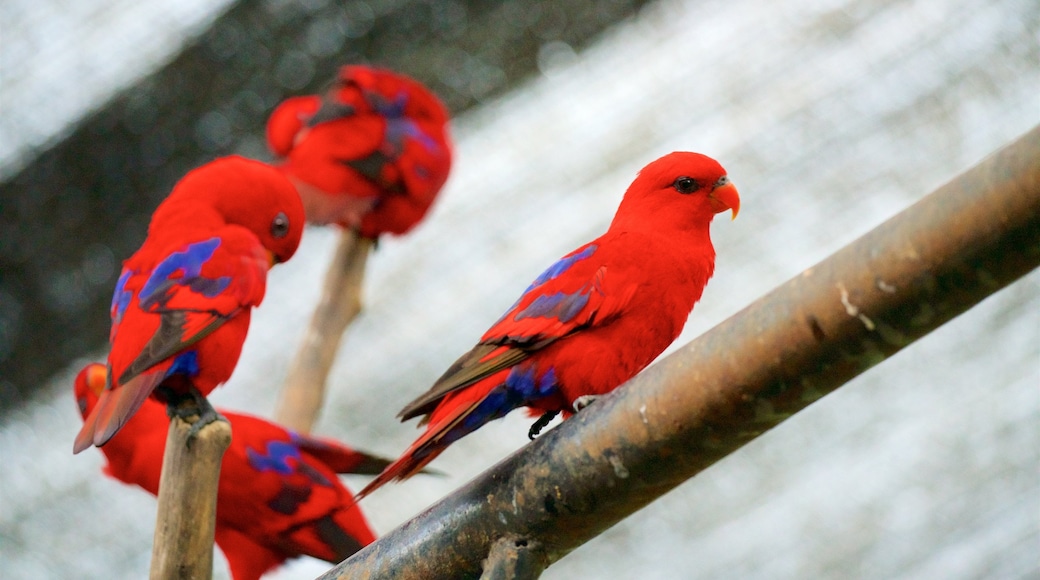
423	451
453	419
114	408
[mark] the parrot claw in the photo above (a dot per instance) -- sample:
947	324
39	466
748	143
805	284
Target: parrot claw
540	424
584	401
187	406
207	416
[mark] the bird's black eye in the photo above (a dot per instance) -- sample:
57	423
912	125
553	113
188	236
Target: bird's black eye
280	225
685	185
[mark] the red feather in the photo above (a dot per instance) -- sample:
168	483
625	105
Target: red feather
592	320
182	304
278	496
372	152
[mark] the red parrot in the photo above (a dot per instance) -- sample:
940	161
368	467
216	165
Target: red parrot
371	153
181	307
278	495
592	320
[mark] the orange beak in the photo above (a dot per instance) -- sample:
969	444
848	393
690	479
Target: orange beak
97	376
724	196
271	259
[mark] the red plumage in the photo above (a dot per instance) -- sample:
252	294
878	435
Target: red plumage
278	495
592	320
372	152
181	308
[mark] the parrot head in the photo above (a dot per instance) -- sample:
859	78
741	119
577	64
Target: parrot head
88	386
682	188
247	193
371	153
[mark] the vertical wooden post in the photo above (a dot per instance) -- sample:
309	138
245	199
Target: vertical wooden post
183	543
304	390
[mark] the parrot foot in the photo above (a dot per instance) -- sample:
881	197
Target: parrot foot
584	401
206	416
188	405
540	424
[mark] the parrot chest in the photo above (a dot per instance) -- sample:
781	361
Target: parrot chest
598	359
596	363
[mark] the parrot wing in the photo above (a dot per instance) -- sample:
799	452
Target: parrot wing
190	293
187	296
568	297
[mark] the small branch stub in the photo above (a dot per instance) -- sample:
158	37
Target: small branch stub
183	543
514	558
304	391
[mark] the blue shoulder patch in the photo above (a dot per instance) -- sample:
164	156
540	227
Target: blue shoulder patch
560	306
554	271
561	266
189	262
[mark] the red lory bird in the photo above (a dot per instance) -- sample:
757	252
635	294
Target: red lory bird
181	307
592	320
278	495
371	153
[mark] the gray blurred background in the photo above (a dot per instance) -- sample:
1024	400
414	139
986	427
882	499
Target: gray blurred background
830	115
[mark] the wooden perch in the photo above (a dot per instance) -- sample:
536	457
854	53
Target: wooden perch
304	390
183	543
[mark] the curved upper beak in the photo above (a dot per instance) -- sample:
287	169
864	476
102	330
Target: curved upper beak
724	196
271	259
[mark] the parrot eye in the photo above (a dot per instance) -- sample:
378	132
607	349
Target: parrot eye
685	185
280	225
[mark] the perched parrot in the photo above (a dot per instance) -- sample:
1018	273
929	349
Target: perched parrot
592	320
181	307
278	495
371	153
